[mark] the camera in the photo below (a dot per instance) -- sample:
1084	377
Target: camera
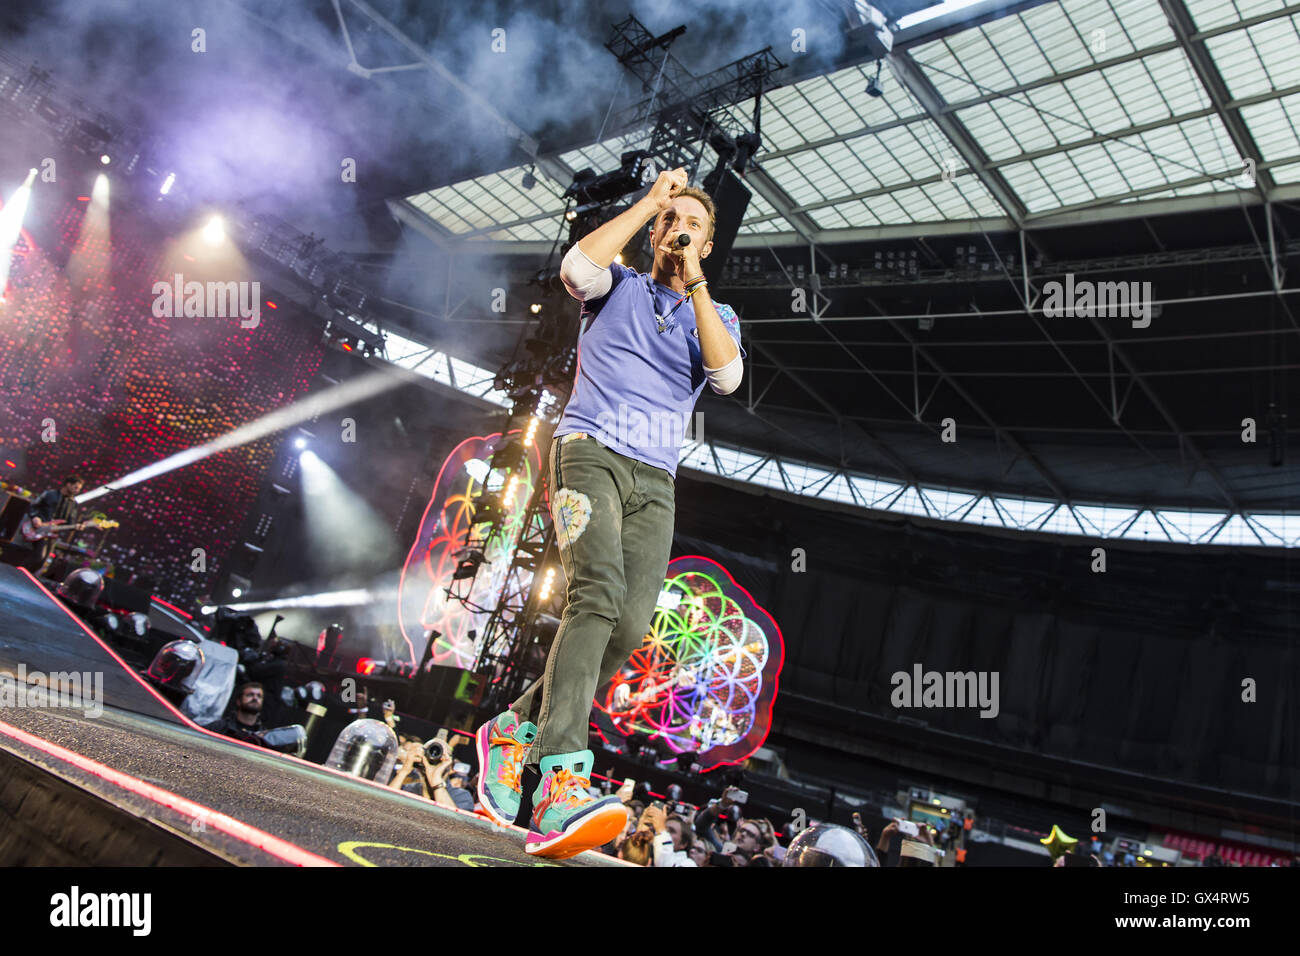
437	749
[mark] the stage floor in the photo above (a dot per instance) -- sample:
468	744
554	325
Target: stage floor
241	803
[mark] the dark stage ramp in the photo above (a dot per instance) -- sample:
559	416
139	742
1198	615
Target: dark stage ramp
139	784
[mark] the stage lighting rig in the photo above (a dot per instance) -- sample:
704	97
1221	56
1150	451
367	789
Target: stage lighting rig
632	174
467	563
508	457
746	146
871	30
873	85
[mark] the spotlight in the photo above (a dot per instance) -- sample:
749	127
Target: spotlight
105	159
535	308
571	215
236	592
167	184
746	146
300	443
529	179
214	231
873	85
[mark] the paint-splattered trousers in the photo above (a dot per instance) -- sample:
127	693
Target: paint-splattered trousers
614	529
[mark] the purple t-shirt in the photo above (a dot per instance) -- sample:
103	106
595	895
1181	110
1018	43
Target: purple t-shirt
636	386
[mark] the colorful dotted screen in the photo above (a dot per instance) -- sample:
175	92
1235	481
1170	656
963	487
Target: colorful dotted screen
92	381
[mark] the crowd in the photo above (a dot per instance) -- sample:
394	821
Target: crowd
715	835
658	833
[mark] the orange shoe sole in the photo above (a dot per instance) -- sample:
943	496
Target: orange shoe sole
596	831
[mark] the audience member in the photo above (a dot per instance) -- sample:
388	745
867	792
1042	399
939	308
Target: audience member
243	720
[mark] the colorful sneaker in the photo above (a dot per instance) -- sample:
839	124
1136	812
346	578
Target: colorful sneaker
567	820
502	745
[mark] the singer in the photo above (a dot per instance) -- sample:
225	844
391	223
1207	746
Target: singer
649	343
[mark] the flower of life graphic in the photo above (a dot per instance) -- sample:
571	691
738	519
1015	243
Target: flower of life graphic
706	677
423	603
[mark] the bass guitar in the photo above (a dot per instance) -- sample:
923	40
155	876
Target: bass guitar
49	528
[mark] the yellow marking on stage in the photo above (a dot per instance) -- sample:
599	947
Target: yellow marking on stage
349	849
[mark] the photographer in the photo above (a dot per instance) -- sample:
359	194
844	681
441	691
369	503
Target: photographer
245	722
446	782
651	844
449	787
639	847
412	774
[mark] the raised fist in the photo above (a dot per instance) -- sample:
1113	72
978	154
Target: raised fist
668	185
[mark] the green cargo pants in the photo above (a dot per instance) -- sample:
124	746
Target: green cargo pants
614	528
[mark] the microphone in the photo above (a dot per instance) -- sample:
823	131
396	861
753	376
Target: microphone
683	240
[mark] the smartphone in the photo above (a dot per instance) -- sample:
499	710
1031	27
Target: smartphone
740	796
908	829
459	767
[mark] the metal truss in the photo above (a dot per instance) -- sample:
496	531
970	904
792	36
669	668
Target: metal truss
907	494
856	490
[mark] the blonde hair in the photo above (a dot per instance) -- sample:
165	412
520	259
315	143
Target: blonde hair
695	192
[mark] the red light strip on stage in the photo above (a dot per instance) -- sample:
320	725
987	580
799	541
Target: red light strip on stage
111	653
188	722
172	607
243	832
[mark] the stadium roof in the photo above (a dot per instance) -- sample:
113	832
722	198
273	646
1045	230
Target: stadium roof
1029	119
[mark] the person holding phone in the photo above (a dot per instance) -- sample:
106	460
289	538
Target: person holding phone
714	822
649	343
895	833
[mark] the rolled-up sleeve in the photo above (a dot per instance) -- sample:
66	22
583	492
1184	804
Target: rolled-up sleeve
726	380
582	277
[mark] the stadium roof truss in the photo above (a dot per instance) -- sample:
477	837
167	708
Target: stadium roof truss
846	488
1056	113
1080	109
